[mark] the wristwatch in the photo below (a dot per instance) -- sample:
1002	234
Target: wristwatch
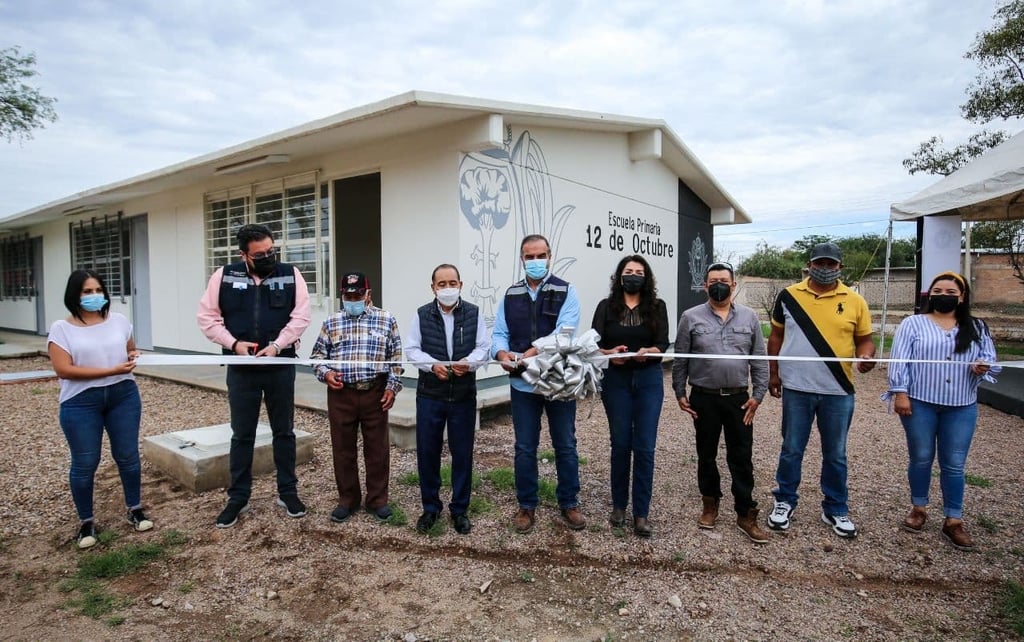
276	347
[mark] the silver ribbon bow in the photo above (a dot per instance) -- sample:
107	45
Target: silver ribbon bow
566	367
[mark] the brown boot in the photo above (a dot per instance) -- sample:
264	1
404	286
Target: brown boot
748	526
915	519
523	521
953	530
574	518
709	515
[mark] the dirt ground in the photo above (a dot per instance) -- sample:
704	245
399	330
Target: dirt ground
272	577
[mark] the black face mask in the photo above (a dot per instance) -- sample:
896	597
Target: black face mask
632	283
719	291
264	266
943	302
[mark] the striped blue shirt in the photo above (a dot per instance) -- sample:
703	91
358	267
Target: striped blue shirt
370	337
952	384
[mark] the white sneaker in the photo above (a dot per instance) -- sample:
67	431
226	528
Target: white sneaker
841	525
778	519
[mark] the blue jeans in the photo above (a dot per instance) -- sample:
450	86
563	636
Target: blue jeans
951	428
527	409
247	387
118	408
431	417
632	401
834	413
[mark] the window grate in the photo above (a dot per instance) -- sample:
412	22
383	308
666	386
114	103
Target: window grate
16	259
103	245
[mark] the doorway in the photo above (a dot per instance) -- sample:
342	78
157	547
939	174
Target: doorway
357	231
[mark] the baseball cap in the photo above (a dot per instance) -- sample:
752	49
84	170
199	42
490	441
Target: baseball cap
354	282
827	251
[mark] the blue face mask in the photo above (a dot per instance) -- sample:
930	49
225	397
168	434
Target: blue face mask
92	302
354	308
537	269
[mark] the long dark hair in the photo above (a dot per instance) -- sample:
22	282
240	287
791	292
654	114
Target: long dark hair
73	293
648	293
968	328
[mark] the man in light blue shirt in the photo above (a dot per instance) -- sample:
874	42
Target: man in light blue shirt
540	305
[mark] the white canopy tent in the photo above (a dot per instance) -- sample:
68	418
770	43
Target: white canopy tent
989	188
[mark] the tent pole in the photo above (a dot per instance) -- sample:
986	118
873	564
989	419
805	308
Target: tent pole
885	288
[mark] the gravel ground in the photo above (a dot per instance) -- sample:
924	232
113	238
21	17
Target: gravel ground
272	577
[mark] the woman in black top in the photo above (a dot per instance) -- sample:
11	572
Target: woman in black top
632	319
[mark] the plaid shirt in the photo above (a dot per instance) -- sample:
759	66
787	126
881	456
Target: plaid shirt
372	336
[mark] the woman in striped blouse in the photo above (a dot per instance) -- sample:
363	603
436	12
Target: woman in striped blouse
938	402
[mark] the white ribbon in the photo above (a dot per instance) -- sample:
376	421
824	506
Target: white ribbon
566	367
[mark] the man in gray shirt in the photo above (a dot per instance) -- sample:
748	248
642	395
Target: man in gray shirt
719	397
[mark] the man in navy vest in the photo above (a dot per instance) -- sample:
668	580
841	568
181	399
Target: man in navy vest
448	341
258	306
535	307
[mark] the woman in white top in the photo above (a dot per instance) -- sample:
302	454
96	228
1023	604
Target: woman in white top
93	353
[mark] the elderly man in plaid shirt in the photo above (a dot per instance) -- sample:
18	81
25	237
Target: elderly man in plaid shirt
359	394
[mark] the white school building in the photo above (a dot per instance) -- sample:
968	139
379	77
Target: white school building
391	189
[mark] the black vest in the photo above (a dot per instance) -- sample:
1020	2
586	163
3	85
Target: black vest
257	313
434	342
528	320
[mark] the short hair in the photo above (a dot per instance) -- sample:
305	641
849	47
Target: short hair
73	292
252	232
719	265
530	238
433	275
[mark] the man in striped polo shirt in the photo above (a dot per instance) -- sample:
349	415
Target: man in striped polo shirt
818	318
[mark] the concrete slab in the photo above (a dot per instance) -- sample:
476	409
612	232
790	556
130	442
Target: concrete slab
22	377
198	458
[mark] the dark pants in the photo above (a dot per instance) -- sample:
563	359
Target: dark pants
247	387
431	417
716	413
527	409
632	401
349	412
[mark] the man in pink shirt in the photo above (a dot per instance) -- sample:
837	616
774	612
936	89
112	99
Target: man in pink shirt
258	306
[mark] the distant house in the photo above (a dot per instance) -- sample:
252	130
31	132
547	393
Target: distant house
392	188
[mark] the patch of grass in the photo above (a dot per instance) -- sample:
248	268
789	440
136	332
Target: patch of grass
95	601
479	506
107	537
398	516
977	481
501	478
439	528
38	391
115	620
583	461
1011	606
989	524
1016	550
446	478
174	537
526	576
546	455
679	557
619	531
121	561
1005	348
546	491
411	478
186	587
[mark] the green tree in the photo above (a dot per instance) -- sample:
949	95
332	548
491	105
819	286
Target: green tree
996	93
772	262
22	107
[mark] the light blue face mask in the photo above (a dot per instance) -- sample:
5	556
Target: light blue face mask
354	308
537	269
92	302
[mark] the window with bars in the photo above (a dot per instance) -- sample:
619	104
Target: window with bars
290	208
16	258
103	245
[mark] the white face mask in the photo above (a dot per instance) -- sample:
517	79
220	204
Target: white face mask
448	296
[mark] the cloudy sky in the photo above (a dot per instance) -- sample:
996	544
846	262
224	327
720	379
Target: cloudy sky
802	109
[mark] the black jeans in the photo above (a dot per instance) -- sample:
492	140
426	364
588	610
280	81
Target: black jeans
715	413
247	387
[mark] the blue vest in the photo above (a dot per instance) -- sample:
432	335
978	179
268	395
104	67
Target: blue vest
257	313
528	320
434	342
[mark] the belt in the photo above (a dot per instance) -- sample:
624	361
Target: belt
721	392
365	384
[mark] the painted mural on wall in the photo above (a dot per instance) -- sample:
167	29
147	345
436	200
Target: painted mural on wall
698	263
498	185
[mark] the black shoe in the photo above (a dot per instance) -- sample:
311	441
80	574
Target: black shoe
87	535
382	513
340	514
229	515
462	524
426	522
293	505
139	520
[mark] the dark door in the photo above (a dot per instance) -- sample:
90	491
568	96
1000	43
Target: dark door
357	231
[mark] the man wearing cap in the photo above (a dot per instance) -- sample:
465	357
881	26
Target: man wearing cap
359	394
817	319
448	341
539	305
258	306
720	399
